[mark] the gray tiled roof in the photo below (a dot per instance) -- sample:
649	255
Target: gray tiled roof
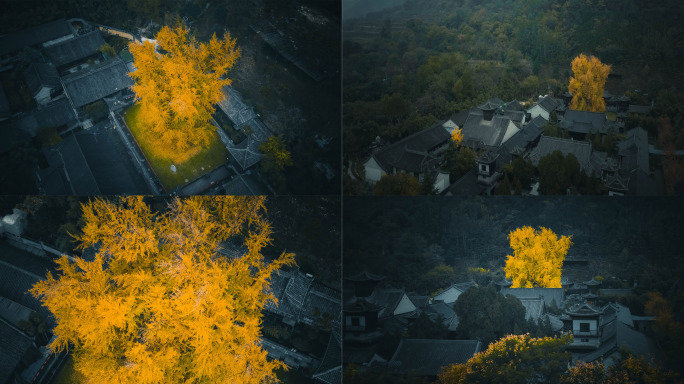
624	315
548	294
600	161
427	357
244	185
480	132
493	103
581	150
460	117
633	150
519	142
515	116
297	289
74	49
467	185
278	283
522	139
586	309
413	152
12	311
514	106
441	308
419	301
450	318
299	297
54	181
640	109
634	340
233	106
39	75
246	153
584	121
615	334
641	184
68	160
389	298
13	347
330	376
364	275
102	148
535	126
548	103
323	300
534	307
96	82
56	114
330	369
19	271
556	322
34	36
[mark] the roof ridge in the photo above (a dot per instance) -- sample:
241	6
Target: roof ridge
94	69
71	40
424	131
22	270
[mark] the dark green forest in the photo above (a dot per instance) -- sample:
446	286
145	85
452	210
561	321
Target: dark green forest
409	66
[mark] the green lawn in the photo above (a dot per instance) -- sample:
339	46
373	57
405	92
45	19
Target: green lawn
206	160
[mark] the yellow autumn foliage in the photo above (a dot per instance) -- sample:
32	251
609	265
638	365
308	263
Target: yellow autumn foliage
456	136
537	258
276	154
586	86
178	89
159	303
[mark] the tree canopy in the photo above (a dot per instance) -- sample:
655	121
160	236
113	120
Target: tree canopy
159	303
559	174
513	359
457	136
458	160
487	315
275	153
537	257
629	369
586	86
523	359
178	88
398	184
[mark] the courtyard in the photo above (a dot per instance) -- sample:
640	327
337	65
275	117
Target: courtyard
204	161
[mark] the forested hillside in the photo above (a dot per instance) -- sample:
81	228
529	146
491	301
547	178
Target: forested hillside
406	238
409	66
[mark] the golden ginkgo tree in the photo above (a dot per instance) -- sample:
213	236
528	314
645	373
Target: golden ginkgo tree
457	136
160	303
587	83
537	258
178	85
